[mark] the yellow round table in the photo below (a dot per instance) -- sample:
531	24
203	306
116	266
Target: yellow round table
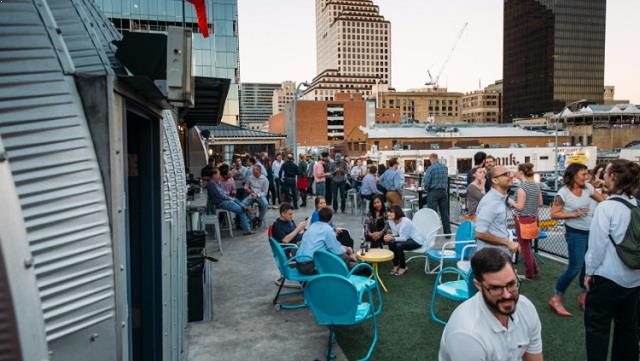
375	256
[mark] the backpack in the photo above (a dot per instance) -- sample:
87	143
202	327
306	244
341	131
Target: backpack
629	249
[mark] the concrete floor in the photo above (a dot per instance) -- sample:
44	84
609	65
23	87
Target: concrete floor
245	324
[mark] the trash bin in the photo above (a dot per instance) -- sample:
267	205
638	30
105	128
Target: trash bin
195	269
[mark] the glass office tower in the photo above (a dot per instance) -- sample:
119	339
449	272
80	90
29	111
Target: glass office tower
553	55
215	56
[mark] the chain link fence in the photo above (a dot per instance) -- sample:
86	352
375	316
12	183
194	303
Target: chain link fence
554	243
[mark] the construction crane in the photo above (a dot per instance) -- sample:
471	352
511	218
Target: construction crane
434	82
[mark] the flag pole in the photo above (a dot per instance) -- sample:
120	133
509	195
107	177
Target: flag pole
184	22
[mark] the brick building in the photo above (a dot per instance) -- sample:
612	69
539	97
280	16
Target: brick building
481	106
424	105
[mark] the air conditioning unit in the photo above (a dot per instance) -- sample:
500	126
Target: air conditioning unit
180	82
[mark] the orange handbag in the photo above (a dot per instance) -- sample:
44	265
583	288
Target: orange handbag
527	227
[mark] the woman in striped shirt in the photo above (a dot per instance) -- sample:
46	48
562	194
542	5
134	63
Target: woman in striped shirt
529	199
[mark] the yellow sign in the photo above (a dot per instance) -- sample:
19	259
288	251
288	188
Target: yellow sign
579	157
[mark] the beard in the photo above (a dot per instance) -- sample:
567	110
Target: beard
503	306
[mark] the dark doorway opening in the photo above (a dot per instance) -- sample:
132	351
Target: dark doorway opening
144	233
464	165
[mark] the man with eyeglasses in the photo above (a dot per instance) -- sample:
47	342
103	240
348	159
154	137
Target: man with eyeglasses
496	323
491	222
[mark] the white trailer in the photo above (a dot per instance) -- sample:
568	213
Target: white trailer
460	161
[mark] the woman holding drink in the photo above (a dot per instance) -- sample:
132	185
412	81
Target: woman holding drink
573	204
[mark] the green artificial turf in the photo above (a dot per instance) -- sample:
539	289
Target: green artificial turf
406	332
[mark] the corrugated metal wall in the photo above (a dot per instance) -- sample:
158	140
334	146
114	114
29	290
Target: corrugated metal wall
58	183
174	244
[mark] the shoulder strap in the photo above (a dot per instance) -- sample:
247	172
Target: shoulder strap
626	203
623	201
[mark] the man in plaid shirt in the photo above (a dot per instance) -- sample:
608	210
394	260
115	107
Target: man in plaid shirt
435	184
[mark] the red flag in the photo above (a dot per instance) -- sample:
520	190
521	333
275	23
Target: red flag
201	12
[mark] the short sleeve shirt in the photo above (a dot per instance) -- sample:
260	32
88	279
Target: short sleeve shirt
474	333
491	217
572	203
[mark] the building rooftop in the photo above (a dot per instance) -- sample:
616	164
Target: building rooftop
451	131
224	130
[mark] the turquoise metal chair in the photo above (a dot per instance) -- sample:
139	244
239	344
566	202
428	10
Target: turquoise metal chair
328	263
451	251
459	290
335	301
287	273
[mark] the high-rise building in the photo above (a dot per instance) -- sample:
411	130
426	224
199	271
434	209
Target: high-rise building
353	48
256	104
283	96
553	55
215	56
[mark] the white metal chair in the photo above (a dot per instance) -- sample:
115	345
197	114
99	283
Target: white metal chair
427	221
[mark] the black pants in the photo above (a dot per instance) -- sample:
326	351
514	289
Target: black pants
290	191
272	193
328	194
398	249
345	238
606	302
339	187
439	200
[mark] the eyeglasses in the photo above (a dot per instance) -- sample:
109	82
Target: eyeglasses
511	287
508	174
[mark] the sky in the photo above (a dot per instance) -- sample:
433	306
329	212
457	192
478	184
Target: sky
277	42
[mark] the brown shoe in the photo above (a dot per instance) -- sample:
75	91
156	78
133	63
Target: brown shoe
556	305
582	297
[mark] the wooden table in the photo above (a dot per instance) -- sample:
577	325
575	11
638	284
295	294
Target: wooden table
375	256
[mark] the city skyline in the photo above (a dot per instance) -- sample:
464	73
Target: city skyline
477	60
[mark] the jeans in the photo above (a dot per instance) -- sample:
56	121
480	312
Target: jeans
606	302
237	207
290	191
320	188
340	187
439	199
263	202
398	249
577	243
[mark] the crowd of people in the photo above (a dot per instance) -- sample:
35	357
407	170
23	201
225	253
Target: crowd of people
603	242
596	209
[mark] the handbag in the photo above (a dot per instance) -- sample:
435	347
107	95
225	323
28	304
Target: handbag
527	227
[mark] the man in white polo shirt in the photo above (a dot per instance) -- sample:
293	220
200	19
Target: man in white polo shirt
496	324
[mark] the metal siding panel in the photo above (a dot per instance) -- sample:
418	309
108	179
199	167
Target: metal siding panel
80	32
175	215
55	173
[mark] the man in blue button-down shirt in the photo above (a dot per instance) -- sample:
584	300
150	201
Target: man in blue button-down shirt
392	181
491	221
435	182
321	236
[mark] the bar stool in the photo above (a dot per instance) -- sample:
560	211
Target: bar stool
212	219
354	199
228	219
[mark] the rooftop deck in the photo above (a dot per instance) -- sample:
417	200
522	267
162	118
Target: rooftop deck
247	327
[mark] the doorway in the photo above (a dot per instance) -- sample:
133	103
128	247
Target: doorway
144	222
